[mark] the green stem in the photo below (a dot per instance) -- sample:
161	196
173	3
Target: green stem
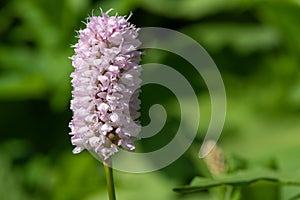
109	181
228	192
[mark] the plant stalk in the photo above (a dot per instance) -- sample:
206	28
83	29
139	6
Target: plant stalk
109	181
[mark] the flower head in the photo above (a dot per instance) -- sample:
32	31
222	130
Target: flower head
105	86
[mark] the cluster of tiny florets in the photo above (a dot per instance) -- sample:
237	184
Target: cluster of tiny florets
106	85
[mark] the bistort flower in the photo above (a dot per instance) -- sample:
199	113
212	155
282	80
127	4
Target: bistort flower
106	85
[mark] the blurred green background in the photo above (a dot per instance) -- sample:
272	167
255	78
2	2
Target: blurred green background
255	44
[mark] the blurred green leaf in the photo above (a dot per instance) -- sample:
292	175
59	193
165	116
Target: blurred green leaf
297	197
189	9
21	87
11	187
10	184
244	38
239	179
284	16
77	177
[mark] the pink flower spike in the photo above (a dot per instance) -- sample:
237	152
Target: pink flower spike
106	85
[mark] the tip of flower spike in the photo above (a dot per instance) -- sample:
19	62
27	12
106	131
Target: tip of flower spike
105	13
129	16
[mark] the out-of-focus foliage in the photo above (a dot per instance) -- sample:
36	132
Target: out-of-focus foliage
35	42
255	44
